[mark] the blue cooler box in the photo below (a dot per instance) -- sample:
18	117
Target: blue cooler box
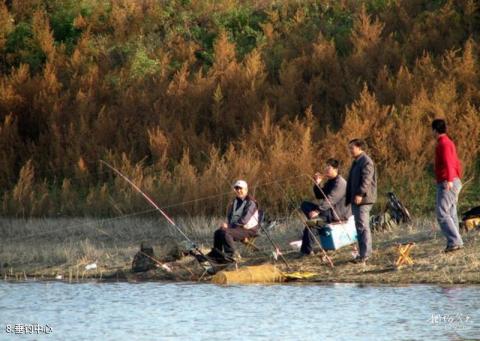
335	236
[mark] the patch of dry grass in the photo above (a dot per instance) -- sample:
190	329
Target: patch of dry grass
46	247
50	245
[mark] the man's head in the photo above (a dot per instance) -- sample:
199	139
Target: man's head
356	147
331	168
241	189
439	126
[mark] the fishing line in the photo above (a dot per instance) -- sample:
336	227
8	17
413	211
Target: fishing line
90	224
275	246
354	247
308	228
149	200
124	216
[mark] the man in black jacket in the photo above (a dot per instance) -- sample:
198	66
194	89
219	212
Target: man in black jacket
331	208
361	194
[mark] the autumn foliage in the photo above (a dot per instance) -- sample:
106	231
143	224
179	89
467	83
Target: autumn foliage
184	96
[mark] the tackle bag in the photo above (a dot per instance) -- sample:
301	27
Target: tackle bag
391	216
144	259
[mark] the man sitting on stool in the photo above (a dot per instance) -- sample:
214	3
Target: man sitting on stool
331	207
242	222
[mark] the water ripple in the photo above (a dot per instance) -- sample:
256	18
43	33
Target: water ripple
171	311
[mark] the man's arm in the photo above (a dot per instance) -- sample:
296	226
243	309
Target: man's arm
367	173
317	179
318	193
446	162
229	213
334	195
450	160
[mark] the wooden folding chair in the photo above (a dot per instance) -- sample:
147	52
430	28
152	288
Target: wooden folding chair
404	257
249	242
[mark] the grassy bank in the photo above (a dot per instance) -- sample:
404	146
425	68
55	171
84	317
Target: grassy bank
431	264
56	246
50	248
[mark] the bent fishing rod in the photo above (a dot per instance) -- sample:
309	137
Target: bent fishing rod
275	246
354	247
151	202
302	219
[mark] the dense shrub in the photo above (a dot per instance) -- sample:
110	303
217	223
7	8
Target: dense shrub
185	96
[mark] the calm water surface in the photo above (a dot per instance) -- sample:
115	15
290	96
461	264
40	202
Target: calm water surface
167	311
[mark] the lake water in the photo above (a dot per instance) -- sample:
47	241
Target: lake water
173	311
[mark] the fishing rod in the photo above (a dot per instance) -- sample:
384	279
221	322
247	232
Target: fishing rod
123	216
151	202
162	265
354	247
277	249
275	246
302	219
324	195
465	184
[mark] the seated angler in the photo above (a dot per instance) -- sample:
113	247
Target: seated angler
242	222
331	207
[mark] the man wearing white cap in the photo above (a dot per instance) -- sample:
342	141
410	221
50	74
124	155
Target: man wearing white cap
242	222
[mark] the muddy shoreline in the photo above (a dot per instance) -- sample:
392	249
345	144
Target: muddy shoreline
447	270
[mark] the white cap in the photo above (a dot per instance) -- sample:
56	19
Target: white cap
240	183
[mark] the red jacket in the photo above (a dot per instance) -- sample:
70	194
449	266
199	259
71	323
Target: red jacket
447	164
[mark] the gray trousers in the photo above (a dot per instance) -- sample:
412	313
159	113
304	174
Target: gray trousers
362	223
446	211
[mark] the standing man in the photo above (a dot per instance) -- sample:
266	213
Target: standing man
447	173
361	194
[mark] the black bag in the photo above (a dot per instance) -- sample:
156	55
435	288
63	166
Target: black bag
472	213
393	214
144	259
471	219
397	209
383	222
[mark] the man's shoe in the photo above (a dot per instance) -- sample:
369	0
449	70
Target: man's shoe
219	257
453	248
355	259
309	254
199	257
360	260
236	257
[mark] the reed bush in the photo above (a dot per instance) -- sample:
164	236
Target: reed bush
186	96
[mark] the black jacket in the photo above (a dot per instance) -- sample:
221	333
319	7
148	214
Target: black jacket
362	180
334	191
